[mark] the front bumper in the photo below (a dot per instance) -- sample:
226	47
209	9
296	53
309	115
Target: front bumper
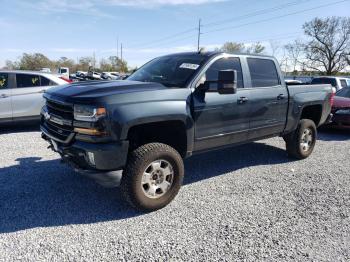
88	156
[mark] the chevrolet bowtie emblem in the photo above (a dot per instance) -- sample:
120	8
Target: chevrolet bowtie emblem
47	116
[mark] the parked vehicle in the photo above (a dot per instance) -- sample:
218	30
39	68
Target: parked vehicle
293	82
110	76
21	94
81	74
64	71
337	82
94	75
45	70
173	107
341	108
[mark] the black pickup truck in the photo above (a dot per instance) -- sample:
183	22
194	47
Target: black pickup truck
173	107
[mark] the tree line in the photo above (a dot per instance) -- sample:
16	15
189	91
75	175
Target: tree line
38	61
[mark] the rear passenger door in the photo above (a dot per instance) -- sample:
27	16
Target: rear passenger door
27	97
5	97
269	99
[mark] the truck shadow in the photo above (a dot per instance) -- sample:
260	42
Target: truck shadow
36	193
20	128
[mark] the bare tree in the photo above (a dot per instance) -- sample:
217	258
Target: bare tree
329	45
275	47
295	52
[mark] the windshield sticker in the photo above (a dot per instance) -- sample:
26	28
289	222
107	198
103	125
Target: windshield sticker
189	66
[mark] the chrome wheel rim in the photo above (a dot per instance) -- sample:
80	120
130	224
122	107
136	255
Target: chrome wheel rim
157	179
306	140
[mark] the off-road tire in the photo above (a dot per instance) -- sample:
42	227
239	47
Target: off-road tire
138	161
294	140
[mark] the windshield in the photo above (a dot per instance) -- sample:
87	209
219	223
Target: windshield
345	92
171	71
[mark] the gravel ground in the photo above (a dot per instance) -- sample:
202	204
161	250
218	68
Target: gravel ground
248	203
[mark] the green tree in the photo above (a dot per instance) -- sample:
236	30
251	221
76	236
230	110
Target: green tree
85	63
256	48
233	47
34	61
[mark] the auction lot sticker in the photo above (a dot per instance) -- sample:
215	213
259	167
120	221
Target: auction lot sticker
189	66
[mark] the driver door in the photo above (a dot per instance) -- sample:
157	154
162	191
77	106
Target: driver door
221	119
5	98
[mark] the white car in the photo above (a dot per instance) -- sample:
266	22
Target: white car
21	93
94	75
81	74
110	75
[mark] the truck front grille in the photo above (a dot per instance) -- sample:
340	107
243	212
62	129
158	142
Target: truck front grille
57	121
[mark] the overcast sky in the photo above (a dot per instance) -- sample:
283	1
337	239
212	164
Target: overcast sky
149	28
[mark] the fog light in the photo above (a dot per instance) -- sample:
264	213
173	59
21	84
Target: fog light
91	158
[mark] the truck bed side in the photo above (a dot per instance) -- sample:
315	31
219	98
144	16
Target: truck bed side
303	97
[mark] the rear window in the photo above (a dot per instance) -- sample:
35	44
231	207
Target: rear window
263	72
46	82
343	83
324	80
3	80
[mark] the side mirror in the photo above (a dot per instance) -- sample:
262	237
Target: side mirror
227	82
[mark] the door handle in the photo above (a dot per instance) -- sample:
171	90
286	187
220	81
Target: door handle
3	96
42	91
242	100
281	97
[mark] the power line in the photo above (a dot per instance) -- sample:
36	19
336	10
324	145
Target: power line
257	13
276	17
168	37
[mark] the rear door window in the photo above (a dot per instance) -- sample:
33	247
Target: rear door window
3	80
263	72
27	80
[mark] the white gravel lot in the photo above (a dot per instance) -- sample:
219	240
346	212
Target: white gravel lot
247	203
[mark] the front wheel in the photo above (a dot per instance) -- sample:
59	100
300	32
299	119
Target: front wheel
300	144
153	176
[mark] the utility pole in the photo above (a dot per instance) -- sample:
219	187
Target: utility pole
117	47
199	34
121	51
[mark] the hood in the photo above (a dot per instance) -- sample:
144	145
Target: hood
341	102
97	89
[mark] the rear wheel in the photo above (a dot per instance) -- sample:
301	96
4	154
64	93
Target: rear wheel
153	176
300	144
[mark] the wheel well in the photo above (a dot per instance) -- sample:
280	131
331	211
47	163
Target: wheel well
172	133
313	113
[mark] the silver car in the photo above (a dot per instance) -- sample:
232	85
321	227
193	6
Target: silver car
21	94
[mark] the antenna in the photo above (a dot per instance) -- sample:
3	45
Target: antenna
199	35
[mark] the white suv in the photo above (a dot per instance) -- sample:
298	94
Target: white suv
21	94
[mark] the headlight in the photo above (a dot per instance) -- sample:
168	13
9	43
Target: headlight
343	112
88	113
